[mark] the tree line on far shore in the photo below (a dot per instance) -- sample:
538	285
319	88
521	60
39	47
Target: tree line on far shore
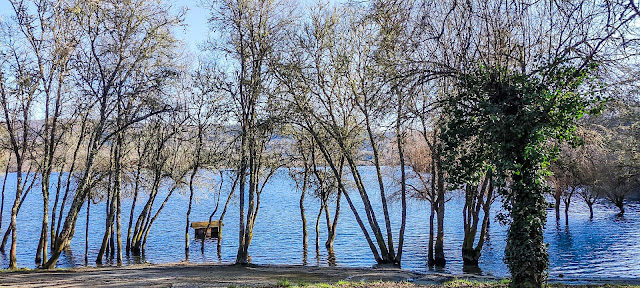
511	100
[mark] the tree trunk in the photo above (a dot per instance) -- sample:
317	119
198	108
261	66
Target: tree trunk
475	202
303	217
86	234
191	192
110	209
556	196
376	160
318	228
41	254
525	252
13	262
242	257
331	236
7	233
439	259
403	182
136	188
52	229
338	175
430	249
118	227
117	187
433	206
619	202
4	184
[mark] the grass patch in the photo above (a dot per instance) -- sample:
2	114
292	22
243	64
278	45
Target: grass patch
456	283
17	270
460	283
283	283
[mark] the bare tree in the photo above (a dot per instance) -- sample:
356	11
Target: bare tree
204	117
127	52
250	33
19	85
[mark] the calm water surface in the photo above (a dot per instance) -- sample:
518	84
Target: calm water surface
607	246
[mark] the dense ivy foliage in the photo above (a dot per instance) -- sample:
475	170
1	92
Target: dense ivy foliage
504	120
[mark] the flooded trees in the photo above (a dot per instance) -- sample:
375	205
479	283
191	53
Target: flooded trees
517	92
165	167
50	34
490	107
250	33
565	180
204	114
478	198
125	58
612	170
339	96
19	84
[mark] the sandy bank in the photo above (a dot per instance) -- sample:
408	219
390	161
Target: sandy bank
203	275
207	275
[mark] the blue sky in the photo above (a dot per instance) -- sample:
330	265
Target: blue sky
195	31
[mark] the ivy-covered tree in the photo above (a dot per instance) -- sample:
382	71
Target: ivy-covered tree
502	120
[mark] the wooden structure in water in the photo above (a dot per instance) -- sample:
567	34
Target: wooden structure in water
207	228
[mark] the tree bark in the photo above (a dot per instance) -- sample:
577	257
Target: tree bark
86	234
303	217
525	252
13	262
439	259
4	185
403	179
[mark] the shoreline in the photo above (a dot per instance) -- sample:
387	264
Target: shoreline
182	274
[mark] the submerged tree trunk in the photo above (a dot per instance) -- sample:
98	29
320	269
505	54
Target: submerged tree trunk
332	225
7	233
52	228
242	257
13	262
556	197
430	253
338	174
136	189
118	192
476	201
439	259
525	252
303	217
391	257
191	192
109	212
194	172
86	234
318	229
4	185
403	178
41	252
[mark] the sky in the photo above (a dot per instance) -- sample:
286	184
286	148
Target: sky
194	33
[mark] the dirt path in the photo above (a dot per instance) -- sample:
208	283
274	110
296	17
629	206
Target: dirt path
206	275
200	275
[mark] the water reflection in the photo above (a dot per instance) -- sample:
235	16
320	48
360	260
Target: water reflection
605	245
70	259
472	269
305	254
331	257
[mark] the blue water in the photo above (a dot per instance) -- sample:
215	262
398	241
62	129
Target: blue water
606	246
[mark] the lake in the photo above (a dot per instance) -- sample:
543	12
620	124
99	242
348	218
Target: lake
606	246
